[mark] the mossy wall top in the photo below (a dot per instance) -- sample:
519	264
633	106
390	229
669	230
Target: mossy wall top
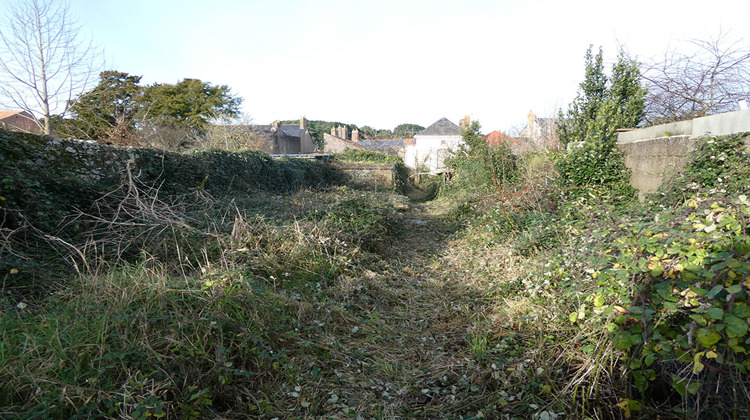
217	171
41	174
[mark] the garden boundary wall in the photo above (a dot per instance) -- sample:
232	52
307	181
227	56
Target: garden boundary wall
100	166
653	154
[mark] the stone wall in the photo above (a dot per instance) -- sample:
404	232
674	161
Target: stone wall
376	176
83	163
652	161
87	161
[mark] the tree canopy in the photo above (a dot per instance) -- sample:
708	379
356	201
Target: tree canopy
595	168
119	106
407	130
189	103
603	104
108	110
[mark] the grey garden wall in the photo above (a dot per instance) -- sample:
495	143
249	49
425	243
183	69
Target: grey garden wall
86	160
655	153
367	174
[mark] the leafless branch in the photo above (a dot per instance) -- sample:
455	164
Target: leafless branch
709	80
43	62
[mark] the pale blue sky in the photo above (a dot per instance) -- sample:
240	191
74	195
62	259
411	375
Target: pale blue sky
382	63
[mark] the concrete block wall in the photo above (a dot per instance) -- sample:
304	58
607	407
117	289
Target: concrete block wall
654	154
652	161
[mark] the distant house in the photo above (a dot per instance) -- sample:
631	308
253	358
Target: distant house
285	139
394	147
517	146
430	147
541	132
19	121
337	142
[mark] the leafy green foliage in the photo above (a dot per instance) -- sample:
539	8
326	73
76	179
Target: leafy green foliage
190	103
603	104
370	133
656	291
594	172
718	165
689	298
573	126
40	205
401	174
367	156
407	130
595	169
108	110
120	111
479	166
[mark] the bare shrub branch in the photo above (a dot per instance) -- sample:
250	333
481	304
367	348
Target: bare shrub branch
43	64
707	81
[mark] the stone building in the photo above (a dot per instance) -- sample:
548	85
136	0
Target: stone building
285	139
337	142
541	133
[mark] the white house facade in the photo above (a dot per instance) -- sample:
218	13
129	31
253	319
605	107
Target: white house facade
431	146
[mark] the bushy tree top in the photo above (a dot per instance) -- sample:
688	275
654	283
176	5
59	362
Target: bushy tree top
603	104
190	102
597	169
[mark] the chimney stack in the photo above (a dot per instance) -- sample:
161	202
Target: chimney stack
303	123
355	135
341	132
465	122
530	120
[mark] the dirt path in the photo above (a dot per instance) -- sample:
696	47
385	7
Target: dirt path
415	331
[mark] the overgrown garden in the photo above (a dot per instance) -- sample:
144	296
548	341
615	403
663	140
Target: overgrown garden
228	284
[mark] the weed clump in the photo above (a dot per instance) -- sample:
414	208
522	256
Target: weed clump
190	307
638	297
49	210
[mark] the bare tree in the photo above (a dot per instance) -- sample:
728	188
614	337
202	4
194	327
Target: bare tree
43	64
710	80
224	132
235	134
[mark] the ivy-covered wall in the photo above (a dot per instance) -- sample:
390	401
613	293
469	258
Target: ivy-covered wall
30	156
47	184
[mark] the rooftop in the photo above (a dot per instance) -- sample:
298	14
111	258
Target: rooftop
441	127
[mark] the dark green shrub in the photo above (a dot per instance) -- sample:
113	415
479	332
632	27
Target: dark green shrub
719	165
48	209
479	167
594	172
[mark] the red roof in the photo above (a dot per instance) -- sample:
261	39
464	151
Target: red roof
516	146
6	114
494	138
